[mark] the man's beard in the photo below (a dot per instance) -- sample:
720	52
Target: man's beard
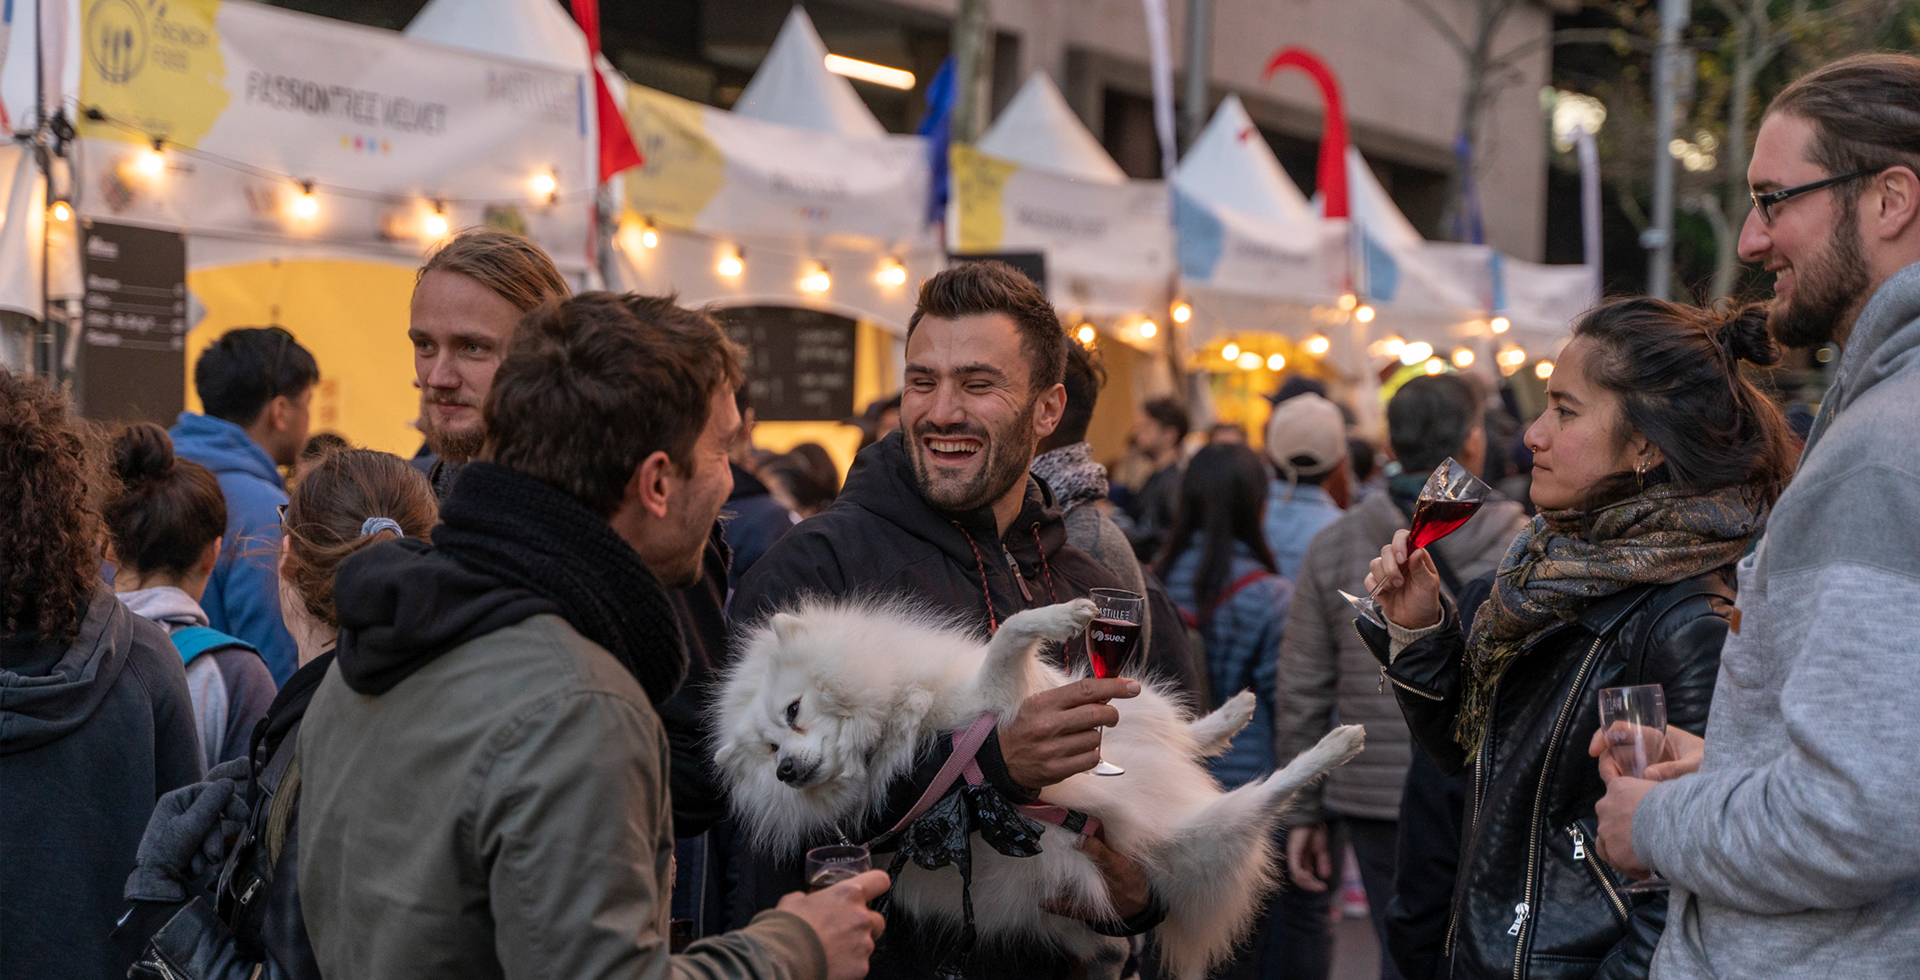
452	446
1006	464
1831	291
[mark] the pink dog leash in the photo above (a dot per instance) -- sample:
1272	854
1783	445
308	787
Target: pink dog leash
966	745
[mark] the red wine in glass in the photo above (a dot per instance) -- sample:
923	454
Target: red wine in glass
1435	519
1109	643
1111	637
1448	500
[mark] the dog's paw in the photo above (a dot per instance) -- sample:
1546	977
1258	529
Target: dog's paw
1214	732
1341	744
1078	614
1239	710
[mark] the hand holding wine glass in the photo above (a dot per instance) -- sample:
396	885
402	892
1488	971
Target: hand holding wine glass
1449	499
1406	586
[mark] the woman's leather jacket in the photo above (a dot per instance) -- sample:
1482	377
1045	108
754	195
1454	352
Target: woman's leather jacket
1533	899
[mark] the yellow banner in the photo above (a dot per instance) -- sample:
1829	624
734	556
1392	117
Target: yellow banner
683	169
979	183
156	68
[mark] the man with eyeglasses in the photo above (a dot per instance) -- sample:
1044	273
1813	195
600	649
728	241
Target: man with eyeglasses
256	388
1787	833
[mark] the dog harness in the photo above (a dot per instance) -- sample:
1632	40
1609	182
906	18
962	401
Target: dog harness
966	745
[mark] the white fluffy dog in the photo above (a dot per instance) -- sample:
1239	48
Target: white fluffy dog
832	701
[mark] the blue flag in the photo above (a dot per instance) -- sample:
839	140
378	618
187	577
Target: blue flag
937	126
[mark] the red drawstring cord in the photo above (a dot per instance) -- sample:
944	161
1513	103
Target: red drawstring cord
1044	567
980	565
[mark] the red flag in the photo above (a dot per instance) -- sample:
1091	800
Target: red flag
617	151
1333	132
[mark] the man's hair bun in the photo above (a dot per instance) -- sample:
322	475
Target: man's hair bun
142	454
1743	334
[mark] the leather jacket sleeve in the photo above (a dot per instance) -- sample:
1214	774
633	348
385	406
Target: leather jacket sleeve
1632	956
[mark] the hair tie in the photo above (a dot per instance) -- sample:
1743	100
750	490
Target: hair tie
374	525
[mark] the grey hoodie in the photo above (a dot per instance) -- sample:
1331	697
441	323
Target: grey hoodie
1792	850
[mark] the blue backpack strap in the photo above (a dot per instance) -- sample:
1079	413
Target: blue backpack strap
193	641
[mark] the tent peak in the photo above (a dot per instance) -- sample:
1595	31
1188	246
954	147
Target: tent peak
1231	165
1039	129
793	87
526	30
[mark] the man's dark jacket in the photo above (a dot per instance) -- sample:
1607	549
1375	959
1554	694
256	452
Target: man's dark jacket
881	537
753	522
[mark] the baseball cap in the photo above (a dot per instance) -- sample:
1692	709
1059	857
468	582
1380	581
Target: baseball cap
1306	436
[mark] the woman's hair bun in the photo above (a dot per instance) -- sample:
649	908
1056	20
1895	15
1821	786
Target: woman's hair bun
142	453
1743	333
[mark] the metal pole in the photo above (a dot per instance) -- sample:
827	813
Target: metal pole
44	345
973	69
1193	107
1658	239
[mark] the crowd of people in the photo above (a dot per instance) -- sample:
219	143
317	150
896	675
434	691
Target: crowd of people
272	705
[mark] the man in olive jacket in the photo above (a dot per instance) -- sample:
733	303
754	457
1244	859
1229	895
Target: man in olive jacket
1324	666
483	775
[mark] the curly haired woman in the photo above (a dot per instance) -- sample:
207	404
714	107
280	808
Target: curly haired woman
95	720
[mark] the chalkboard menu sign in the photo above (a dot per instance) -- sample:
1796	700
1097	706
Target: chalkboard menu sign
799	362
133	330
1034	264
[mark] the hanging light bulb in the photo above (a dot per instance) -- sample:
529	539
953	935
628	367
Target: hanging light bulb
1463	358
1435	365
816	280
1276	362
1318	345
892	272
435	223
649	238
1148	328
1085	333
1348	301
1364	314
732	263
1543	370
1500	324
1231	352
1182	312
62	211
545	186
151	162
1414	353
1249	361
305	205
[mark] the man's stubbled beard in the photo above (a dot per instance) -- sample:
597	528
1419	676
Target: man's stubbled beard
1006	463
454	447
1831	292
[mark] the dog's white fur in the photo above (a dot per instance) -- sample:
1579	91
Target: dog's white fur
848	693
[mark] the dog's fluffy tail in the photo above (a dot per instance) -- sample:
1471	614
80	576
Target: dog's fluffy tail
1221	859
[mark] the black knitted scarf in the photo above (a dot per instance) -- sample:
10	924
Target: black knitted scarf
512	527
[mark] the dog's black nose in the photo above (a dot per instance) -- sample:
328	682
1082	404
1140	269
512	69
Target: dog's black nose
787	771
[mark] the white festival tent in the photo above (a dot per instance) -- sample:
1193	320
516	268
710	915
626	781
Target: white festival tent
306	165
1039	182
815	203
1254	254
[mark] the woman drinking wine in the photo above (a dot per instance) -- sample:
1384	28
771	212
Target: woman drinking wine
1654	465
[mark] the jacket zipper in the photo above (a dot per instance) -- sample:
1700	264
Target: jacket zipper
1018	579
1473	816
1539	800
1581	853
166	969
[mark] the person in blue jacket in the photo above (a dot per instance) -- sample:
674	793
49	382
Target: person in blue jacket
256	385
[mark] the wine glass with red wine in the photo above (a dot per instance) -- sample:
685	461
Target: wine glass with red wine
1451	496
1111	639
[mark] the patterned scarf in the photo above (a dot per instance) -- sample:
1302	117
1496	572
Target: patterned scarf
1553	572
1072	475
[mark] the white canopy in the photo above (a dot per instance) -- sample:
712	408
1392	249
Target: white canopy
1038	129
1231	165
793	86
527	30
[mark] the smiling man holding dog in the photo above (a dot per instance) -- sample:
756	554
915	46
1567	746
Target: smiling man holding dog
943	510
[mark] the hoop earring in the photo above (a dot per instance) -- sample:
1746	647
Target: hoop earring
1640	475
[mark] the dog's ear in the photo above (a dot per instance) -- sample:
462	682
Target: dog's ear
786	628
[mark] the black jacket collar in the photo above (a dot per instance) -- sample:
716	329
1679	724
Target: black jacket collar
882	482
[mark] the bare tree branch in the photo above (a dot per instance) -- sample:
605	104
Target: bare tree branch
1440	24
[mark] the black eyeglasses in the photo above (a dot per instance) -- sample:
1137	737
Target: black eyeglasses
1765	202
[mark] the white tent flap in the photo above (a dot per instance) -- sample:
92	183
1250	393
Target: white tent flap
1039	130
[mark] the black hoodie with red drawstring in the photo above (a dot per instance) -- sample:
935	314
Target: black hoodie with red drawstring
881	537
